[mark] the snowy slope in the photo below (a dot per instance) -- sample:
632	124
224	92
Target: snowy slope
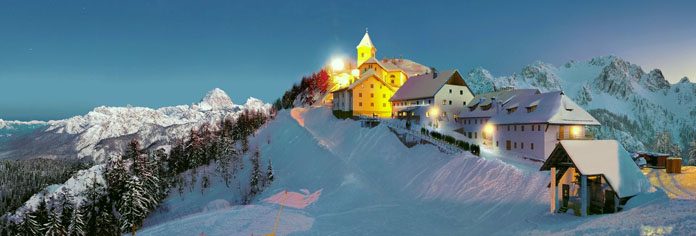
371	184
613	90
103	132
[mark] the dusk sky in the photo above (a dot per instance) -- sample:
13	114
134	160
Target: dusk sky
62	58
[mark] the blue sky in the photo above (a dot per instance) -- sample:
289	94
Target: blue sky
62	58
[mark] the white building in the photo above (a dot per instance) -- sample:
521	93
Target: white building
529	124
471	120
439	95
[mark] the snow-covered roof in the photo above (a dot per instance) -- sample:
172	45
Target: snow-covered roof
552	107
501	97
603	157
386	65
365	41
425	85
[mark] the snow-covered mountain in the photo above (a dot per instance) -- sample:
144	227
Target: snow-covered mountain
633	105
105	131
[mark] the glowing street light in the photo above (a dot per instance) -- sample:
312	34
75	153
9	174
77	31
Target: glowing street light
337	64
355	72
488	129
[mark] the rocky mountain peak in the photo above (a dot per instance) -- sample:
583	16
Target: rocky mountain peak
216	99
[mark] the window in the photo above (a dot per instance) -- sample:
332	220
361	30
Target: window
450	90
444	102
521	145
464	104
372	86
538	127
511	110
450	102
372	95
362	54
360	104
461	92
496	144
372	104
384	105
384	95
522	128
475	135
515	127
392	81
429	101
532	145
531	109
515	146
360	95
508	127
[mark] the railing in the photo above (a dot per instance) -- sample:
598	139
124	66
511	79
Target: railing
415	131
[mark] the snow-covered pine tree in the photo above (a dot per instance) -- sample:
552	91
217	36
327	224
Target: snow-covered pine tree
54	226
116	176
77	223
29	225
269	174
65	199
691	154
133	205
255	178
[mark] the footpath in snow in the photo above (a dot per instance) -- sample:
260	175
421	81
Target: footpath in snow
364	181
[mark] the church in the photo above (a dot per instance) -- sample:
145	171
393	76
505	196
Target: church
371	84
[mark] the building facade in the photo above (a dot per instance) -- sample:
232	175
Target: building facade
375	82
438	96
528	124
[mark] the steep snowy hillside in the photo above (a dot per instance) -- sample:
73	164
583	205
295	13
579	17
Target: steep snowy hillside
347	180
105	131
633	106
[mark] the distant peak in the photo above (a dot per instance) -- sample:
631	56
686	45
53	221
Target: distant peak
684	80
216	99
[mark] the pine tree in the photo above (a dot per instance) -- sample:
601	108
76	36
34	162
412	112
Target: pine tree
77	223
269	174
29	226
116	176
54	226
133	206
692	153
254	184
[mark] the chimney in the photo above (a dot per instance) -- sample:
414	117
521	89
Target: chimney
434	74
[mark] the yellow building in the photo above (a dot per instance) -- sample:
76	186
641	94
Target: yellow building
371	88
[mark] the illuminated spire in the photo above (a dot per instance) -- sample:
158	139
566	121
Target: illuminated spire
366	41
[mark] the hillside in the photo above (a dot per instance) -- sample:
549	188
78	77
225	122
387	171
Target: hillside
634	106
365	181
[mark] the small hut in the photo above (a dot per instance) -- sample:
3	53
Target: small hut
592	177
655	160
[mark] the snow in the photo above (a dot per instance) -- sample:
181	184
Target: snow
103	132
604	157
371	184
76	185
294	199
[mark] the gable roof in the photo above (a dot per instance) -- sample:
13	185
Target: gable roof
500	97
424	86
367	75
388	66
365	41
552	108
602	157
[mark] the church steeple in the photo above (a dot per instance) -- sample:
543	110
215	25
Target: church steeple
366	49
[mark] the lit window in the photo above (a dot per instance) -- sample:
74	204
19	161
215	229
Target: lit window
444	102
